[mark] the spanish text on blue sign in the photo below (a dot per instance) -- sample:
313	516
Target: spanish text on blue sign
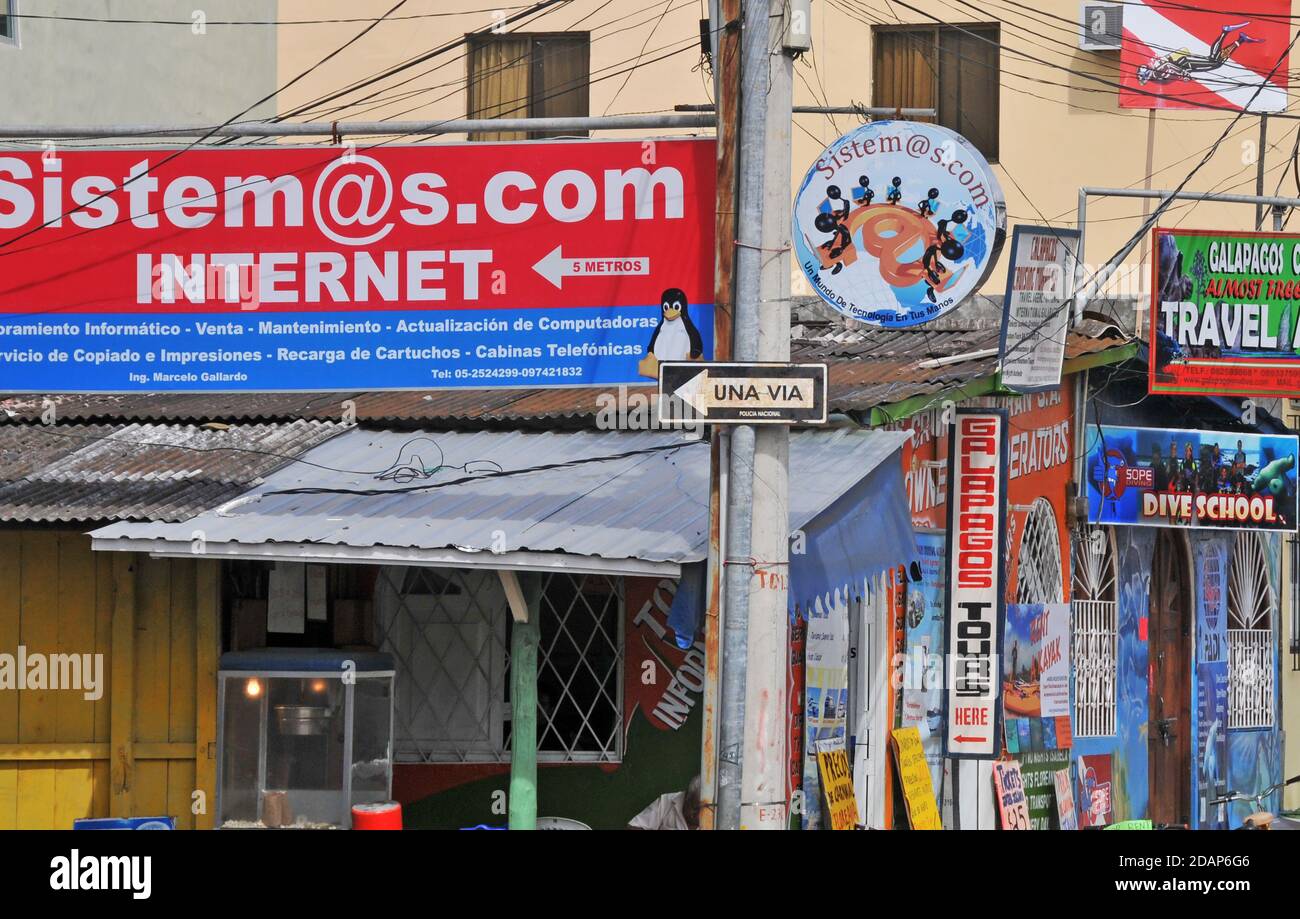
555	263
1208	479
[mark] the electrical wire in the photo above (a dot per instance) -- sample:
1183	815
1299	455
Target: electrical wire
190	23
328	57
1109	85
464	43
1160	208
395	471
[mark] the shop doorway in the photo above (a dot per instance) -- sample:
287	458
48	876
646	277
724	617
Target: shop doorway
1169	716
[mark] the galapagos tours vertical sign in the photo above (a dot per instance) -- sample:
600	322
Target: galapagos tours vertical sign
977	476
1225	313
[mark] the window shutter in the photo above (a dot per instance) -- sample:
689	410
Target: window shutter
968	85
498	83
560	78
905	72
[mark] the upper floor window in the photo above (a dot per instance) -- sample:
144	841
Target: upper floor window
952	69
542	75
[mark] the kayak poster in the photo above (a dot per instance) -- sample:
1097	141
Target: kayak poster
1207	479
1036	677
1225	313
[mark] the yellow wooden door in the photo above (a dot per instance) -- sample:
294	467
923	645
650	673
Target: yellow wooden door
146	745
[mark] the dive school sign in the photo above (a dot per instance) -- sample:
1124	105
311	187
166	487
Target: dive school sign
1225	313
977	502
555	263
898	222
1207	479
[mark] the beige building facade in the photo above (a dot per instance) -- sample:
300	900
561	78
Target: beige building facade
1046	112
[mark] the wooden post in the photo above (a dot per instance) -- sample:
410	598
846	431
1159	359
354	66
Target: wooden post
524	639
207	631
121	718
726	67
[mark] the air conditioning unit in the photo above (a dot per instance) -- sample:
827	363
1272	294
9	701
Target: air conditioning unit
1101	26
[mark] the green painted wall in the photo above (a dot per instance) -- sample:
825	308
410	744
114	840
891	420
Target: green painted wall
654	762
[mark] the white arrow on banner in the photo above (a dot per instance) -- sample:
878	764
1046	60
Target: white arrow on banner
703	392
555	267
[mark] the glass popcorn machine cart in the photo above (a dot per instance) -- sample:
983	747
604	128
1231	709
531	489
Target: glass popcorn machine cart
303	735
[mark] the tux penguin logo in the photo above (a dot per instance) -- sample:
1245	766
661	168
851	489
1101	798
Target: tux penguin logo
675	338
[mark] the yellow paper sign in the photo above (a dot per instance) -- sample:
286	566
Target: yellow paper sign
837	786
914	774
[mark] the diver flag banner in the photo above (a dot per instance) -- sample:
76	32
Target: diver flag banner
898	222
549	263
1209	479
1199	54
977	489
1225	314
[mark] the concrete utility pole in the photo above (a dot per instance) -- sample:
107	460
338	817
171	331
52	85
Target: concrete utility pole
752	755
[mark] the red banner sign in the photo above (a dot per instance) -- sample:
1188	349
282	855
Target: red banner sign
550	263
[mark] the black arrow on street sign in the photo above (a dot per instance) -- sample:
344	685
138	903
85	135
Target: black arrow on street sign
731	393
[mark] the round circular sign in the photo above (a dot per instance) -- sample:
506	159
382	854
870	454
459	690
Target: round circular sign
898	222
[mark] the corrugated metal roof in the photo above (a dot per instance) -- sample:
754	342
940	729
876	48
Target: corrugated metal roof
79	472
606	494
868	368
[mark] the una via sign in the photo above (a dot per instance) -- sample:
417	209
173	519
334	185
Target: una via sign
731	393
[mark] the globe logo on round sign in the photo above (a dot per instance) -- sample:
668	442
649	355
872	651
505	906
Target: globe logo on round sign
898	222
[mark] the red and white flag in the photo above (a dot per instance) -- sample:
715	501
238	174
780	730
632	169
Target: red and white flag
1192	54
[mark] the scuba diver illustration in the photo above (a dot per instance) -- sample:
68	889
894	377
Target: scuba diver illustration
944	244
1183	64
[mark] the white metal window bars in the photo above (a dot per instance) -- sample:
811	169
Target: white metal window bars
1251	605
1094	638
449	632
446	628
1038	572
580	669
1094	644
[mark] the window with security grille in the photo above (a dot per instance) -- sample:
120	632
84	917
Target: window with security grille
1251	606
449	631
1094	632
1038	569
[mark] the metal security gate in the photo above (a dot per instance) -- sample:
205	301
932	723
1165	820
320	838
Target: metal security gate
1094	632
1038	567
1251	604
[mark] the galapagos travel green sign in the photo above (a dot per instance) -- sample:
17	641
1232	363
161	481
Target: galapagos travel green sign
1225	313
